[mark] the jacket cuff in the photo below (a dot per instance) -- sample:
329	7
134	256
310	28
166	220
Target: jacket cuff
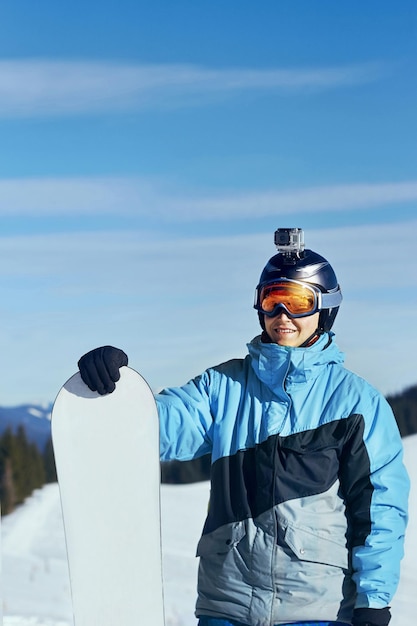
371	617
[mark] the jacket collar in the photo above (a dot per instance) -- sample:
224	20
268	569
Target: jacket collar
275	365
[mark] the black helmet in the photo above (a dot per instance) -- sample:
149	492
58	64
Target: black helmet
294	266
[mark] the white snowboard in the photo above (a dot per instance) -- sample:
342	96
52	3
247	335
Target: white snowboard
107	457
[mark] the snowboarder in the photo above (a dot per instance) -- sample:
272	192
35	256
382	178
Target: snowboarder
308	504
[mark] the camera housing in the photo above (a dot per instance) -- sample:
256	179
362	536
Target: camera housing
290	242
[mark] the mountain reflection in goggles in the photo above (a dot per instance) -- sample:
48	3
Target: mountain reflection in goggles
297	299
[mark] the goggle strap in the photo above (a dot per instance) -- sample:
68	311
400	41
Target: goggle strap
330	300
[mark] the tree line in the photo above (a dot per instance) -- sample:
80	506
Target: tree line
404	406
23	468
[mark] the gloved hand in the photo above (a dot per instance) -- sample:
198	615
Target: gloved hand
99	368
371	617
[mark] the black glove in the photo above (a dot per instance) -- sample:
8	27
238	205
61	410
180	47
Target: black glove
99	368
371	617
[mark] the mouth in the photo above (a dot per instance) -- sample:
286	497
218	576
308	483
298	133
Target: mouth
284	331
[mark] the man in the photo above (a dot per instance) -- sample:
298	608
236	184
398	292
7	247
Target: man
308	502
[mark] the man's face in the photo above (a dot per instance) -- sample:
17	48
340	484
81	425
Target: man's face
292	332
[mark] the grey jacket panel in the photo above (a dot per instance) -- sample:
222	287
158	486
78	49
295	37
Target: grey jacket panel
273	570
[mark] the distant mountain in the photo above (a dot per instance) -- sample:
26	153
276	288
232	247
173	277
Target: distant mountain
35	419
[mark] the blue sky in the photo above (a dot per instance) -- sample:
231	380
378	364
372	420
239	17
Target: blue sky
148	151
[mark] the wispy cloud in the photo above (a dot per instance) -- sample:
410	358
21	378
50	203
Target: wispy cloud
353	196
76	196
39	87
67	257
125	196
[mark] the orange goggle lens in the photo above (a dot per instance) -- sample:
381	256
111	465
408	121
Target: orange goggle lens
295	298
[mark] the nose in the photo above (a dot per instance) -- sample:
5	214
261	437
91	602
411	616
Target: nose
283	314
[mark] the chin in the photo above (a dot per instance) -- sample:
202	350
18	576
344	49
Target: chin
284	342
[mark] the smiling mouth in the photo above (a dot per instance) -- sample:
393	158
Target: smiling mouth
284	331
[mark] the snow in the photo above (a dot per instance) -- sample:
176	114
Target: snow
35	586
38	413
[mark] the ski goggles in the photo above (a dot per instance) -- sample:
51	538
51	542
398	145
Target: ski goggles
295	298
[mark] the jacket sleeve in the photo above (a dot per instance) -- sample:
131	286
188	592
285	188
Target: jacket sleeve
376	486
185	420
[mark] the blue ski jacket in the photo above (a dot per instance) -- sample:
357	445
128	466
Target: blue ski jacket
308	503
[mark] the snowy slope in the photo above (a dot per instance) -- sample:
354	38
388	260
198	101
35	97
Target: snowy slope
36	587
35	574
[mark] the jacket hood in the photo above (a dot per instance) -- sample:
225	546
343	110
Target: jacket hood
273	363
